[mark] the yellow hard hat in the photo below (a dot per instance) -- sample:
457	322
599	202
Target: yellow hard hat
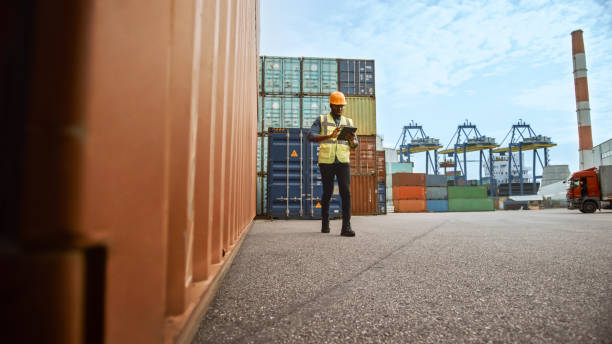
337	98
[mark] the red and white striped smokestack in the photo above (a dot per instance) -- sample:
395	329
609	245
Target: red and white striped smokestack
585	138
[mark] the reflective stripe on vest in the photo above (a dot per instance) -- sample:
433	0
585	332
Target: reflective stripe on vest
332	148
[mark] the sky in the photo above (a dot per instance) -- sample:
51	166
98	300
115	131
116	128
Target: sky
442	62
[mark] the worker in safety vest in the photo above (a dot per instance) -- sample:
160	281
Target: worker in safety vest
334	158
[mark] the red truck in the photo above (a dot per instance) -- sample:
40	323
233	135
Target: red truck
590	189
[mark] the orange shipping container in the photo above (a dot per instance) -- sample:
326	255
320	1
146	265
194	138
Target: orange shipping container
409	192
136	139
364	190
409	206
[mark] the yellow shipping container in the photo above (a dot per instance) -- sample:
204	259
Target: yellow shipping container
363	112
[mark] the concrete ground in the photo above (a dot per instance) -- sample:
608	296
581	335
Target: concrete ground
506	276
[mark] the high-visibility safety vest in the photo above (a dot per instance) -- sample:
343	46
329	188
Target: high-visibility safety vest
329	149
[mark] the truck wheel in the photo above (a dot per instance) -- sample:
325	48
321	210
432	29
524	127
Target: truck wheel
589	207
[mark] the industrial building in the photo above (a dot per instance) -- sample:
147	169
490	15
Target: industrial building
602	154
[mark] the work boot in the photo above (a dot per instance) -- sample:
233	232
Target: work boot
325	226
347	231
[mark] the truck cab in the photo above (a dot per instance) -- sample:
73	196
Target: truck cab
589	189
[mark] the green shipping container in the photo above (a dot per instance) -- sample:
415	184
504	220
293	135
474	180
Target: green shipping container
472	192
470	204
363	112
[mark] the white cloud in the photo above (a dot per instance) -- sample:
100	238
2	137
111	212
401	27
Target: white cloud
557	95
423	50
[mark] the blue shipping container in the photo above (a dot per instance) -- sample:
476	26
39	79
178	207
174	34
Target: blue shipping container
357	77
294	179
382	198
437	205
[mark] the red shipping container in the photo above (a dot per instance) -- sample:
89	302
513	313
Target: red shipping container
408	179
409	192
363	158
364	199
409	206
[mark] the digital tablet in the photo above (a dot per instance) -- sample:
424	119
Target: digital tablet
346	130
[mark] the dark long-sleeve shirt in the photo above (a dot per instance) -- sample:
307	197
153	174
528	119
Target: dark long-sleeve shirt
315	131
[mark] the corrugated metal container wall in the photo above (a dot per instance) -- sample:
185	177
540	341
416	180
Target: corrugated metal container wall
471	204
136	191
262	170
382	199
437	205
363	158
291	110
409	205
272	112
363	112
312	108
357	77
295	187
281	75
319	75
363	195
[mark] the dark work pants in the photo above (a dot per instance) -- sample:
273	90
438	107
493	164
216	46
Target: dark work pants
343	173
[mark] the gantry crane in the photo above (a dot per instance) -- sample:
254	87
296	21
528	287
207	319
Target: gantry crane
523	138
413	140
467	138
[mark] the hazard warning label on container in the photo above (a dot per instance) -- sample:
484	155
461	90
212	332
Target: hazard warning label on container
318	205
294	154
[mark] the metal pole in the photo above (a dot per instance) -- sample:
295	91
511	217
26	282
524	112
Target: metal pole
426	162
491	178
455	167
436	162
510	170
545	156
408	150
480	167
521	167
534	171
465	163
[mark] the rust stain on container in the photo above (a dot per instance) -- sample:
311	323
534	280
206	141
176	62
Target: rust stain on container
364	190
144	153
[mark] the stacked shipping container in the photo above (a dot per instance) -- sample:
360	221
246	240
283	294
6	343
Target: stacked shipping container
294	92
469	198
390	169
409	192
437	193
